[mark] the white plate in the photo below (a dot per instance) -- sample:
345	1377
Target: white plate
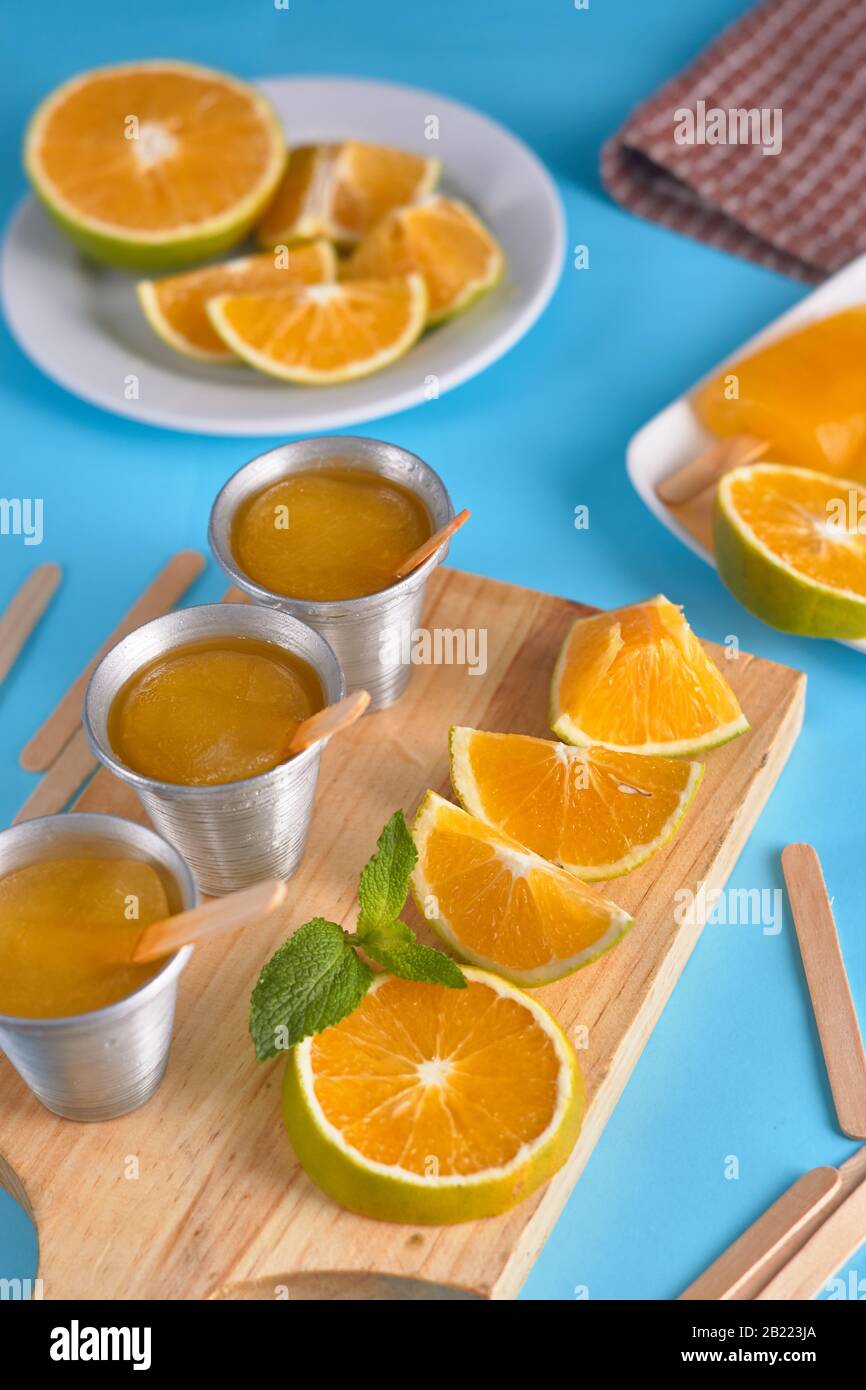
82	325
675	436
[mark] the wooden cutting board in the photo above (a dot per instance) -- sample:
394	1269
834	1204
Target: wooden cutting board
198	1195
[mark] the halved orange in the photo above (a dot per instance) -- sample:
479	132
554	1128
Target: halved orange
443	241
434	1105
155	164
596	812
499	905
341	190
320	334
791	546
637	680
176	305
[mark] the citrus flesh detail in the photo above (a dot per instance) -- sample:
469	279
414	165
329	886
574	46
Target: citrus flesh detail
637	680
176	305
791	546
341	190
433	1105
155	163
441	240
596	812
497	904
320	334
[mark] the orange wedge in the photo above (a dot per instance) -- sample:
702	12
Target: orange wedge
341	190
432	1105
155	164
320	334
441	240
637	680
791	546
176	305
499	905
597	813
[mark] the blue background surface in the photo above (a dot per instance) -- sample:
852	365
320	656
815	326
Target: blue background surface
734	1066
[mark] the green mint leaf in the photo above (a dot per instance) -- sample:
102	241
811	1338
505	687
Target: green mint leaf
311	982
385	879
399	952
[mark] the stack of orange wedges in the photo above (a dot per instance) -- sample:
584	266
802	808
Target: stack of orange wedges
502	878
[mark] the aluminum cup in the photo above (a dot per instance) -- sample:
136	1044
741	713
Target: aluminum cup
98	1065
238	833
371	635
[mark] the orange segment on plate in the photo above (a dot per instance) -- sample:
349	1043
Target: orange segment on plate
155	164
791	546
341	190
499	905
432	1105
637	680
320	334
442	240
176	305
596	812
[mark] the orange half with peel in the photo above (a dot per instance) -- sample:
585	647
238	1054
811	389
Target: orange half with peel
431	1105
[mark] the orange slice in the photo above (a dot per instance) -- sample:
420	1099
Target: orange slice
443	241
320	334
595	812
791	546
499	905
176	306
637	680
341	190
434	1105
155	164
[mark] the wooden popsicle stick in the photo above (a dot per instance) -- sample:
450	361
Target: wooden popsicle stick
837	1238
328	721
23	613
231	913
705	470
762	1249
828	985
432	544
59	784
853	1170
170	584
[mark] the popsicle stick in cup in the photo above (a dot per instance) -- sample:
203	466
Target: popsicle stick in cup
706	470
432	544
326	722
198	924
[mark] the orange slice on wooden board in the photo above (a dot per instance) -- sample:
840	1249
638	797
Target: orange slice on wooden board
597	813
157	164
341	190
441	240
176	305
321	334
790	544
432	1105
499	905
637	680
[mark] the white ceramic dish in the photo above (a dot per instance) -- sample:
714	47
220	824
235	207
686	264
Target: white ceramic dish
675	436
82	326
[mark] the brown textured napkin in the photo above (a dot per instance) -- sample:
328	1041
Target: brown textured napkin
795	70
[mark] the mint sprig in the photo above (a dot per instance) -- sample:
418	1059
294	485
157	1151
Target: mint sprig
317	977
